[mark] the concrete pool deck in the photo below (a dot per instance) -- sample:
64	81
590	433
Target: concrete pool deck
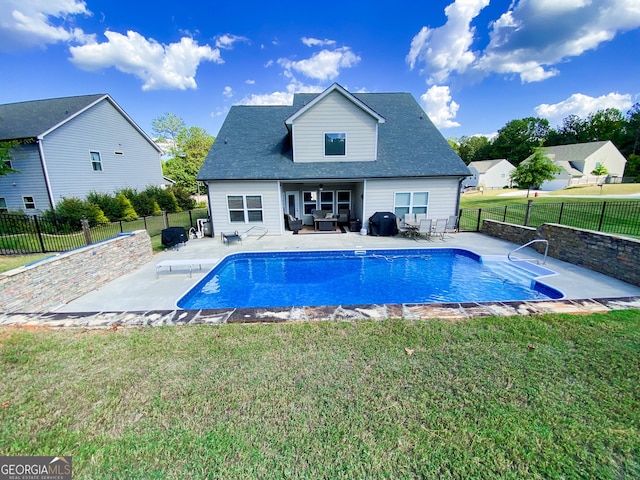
145	297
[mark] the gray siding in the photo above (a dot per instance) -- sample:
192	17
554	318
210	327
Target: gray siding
380	195
272	213
335	114
29	182
102	129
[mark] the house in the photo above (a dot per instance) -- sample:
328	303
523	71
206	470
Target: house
70	147
577	161
490	174
332	151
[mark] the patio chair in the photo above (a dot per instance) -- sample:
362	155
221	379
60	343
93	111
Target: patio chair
293	223
440	228
420	216
344	215
402	229
424	228
452	224
409	217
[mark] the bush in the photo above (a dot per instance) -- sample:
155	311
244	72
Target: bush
185	202
107	203
165	199
69	212
127	212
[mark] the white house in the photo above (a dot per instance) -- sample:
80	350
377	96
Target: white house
577	161
490	174
70	147
366	153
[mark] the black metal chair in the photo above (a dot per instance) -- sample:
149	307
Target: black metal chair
293	223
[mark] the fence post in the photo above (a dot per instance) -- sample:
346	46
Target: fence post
478	224
165	219
528	213
35	221
86	230
504	216
190	219
560	215
604	206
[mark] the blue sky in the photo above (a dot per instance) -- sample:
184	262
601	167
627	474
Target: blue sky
473	65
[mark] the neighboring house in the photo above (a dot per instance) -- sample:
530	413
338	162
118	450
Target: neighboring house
577	161
71	147
368	152
490	174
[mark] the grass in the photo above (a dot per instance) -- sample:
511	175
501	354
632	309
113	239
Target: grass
552	396
9	262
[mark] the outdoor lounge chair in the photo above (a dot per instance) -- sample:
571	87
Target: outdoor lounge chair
344	215
293	223
402	228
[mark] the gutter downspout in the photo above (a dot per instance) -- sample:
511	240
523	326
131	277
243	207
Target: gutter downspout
47	180
459	194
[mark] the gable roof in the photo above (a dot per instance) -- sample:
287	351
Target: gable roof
576	152
333	88
483	166
254	144
37	118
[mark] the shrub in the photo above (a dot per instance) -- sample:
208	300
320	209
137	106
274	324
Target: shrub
107	203
165	198
185	201
127	212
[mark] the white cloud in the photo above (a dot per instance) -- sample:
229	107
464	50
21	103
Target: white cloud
529	39
583	105
440	107
315	42
227	41
159	66
30	23
534	35
281	98
324	65
227	92
447	49
250	82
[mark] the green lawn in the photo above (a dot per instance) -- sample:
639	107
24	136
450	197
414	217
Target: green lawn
525	397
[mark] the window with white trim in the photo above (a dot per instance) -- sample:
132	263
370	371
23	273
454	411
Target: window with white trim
335	144
245	208
29	203
96	161
344	200
411	202
309	202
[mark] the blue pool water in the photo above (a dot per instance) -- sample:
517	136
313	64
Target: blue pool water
280	279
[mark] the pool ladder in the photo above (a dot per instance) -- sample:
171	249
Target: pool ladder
245	234
537	240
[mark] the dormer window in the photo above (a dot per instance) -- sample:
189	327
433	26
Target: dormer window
335	144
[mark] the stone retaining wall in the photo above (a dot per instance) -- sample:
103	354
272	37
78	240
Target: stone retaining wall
613	255
57	280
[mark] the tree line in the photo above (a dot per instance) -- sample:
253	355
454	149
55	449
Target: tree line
519	138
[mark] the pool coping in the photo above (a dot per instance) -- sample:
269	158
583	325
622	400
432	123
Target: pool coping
432	311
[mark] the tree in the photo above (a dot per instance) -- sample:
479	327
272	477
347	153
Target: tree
600	170
474	148
5	156
519	138
534	171
167	127
193	143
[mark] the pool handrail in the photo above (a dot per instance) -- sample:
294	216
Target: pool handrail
537	240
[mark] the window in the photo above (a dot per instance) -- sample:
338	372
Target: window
309	202
335	144
96	162
3	206
245	208
326	200
344	200
411	202
29	203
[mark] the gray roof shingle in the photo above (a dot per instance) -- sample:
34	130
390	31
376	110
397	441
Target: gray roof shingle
254	144
32	118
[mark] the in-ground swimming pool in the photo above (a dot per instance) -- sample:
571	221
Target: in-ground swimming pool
359	277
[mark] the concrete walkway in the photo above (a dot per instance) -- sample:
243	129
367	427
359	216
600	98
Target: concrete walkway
144	297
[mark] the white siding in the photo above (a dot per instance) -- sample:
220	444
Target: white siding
497	176
609	156
335	114
28	182
273	219
101	129
443	195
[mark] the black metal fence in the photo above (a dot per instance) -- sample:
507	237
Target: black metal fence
612	217
21	234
